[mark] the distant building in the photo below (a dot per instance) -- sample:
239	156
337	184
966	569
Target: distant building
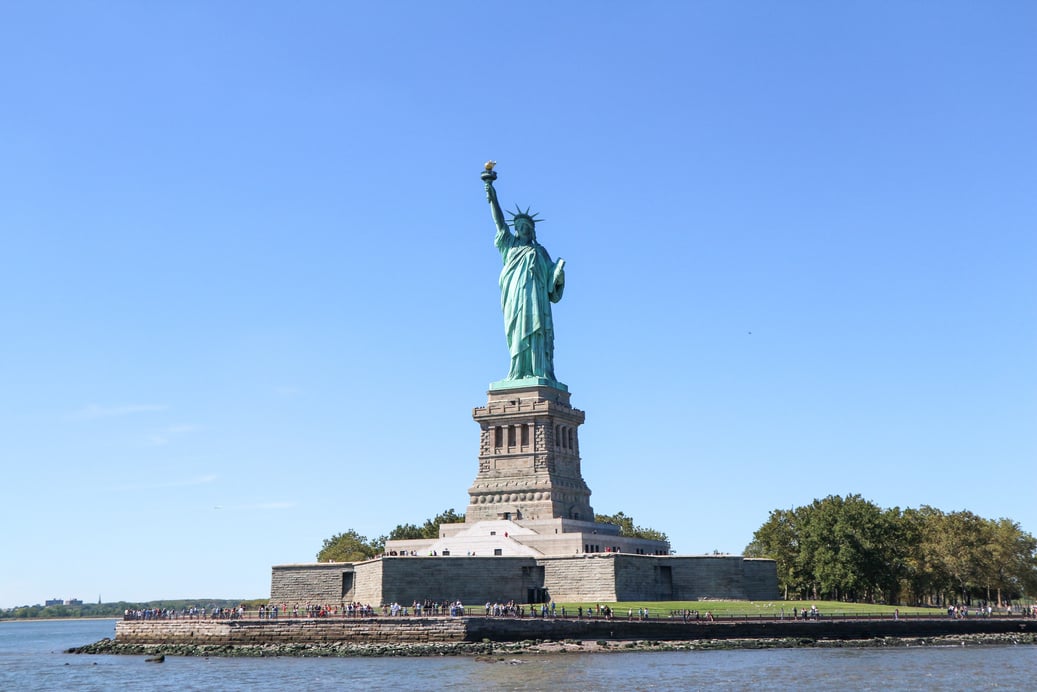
53	601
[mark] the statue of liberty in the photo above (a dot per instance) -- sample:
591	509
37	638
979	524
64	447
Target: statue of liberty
529	282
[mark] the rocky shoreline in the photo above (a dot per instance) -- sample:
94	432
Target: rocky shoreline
489	650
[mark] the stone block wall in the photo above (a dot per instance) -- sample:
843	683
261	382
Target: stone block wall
688	578
640	578
723	576
706	576
583	578
316	583
761	579
367	583
475	580
291	631
472	580
172	631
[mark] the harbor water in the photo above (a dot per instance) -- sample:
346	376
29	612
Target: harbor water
32	658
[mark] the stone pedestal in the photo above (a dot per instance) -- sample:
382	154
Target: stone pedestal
529	458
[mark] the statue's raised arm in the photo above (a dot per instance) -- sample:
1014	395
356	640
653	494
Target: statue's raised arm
491	196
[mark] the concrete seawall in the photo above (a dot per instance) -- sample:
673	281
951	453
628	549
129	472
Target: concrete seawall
425	630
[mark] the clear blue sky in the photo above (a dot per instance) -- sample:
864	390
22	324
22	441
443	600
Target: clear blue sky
249	285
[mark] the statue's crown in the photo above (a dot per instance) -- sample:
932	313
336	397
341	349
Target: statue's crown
519	214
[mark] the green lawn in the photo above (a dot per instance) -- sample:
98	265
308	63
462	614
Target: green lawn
729	609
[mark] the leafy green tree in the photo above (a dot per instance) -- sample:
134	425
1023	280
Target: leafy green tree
852	544
961	541
404	532
347	547
923	579
1012	569
850	549
352	547
628	528
778	539
430	529
892	549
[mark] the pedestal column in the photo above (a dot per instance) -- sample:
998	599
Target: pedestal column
529	460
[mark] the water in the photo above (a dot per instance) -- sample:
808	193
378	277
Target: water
31	659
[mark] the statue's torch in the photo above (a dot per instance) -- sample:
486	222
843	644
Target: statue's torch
489	175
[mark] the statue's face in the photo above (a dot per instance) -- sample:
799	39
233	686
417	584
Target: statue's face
524	230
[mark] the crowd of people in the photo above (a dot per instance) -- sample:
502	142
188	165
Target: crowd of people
456	608
354	609
812	613
549	609
513	609
687	615
192	613
427	607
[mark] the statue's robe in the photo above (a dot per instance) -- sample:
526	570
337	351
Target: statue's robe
529	282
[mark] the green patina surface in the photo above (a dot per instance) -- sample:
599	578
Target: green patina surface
527	382
529	282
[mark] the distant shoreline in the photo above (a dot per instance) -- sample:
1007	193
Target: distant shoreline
70	619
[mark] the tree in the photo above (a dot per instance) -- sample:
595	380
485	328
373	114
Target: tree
853	549
1012	569
627	527
850	549
778	539
430	529
352	547
961	541
924	579
347	547
404	532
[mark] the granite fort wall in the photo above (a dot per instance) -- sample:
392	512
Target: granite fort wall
367	584
707	577
583	578
625	577
311	583
471	580
474	629
594	577
760	579
639	579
